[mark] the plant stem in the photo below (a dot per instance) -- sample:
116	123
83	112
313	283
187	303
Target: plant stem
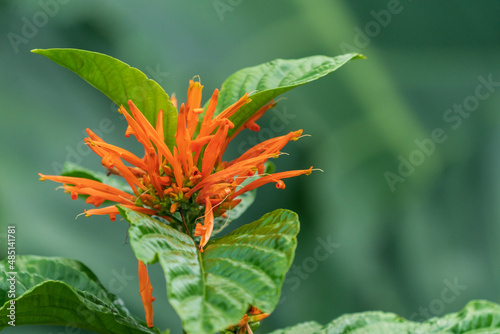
184	221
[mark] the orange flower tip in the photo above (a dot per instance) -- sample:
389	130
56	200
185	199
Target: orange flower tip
258	317
167	170
128	132
42	178
253	127
253	310
235	202
298	134
153	299
243	321
198	110
173	100
280	184
174	207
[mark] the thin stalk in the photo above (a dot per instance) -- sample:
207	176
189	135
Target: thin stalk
184	221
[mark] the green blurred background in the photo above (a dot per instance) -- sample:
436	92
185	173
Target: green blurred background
421	245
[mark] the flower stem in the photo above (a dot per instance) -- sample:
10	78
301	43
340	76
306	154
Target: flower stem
184	221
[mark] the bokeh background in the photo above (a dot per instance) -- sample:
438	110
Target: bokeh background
421	244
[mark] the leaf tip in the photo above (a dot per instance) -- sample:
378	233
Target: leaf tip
43	52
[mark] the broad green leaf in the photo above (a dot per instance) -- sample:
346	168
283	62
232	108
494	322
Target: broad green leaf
371	322
212	290
120	83
306	327
266	81
63	292
477	317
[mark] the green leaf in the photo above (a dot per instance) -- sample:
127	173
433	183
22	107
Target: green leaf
306	327
266	81
212	290
477	317
120	83
63	292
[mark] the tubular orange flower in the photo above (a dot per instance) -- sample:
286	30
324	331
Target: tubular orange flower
146	291
205	231
189	181
253	315
277	178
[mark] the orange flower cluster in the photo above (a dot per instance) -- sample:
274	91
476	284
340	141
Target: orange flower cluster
253	315
168	182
